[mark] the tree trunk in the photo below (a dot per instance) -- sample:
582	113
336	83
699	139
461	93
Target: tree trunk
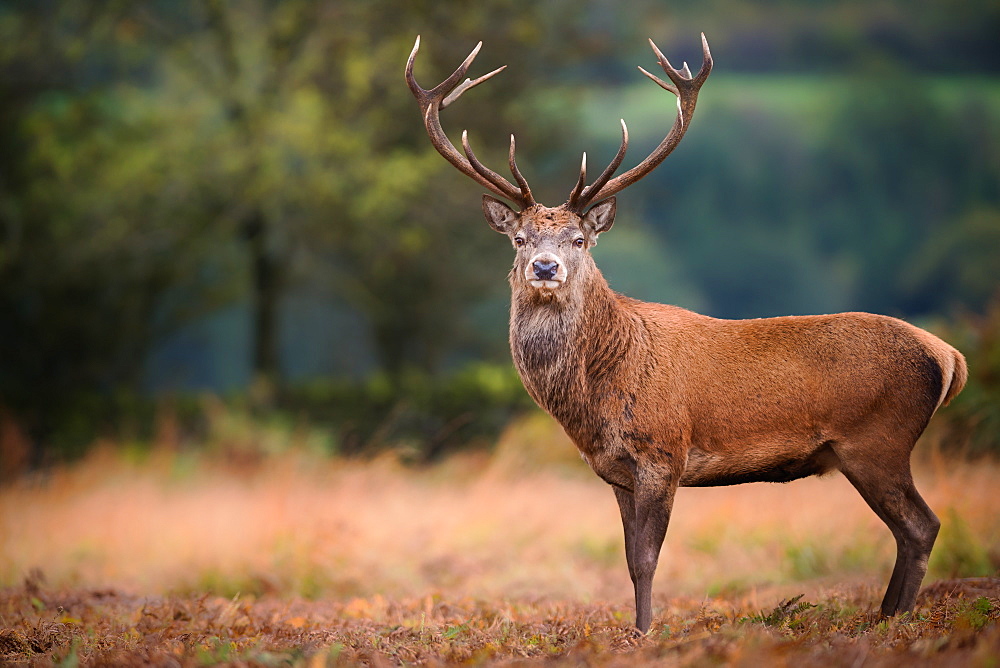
265	302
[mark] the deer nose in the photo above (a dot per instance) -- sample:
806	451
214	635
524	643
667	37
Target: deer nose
544	270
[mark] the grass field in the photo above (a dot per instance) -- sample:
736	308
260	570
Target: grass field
235	556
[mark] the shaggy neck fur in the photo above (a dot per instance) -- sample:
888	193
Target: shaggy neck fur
568	343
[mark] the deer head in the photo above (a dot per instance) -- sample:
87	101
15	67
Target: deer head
553	243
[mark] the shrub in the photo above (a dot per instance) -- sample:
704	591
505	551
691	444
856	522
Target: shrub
972	421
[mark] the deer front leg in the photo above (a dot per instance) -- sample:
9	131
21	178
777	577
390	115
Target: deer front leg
652	500
626	505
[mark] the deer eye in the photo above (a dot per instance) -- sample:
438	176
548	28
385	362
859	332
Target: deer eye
518	241
579	242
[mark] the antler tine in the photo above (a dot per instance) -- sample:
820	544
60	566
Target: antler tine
706	61
410	80
529	199
432	101
683	75
574	202
686	88
469	83
609	170
663	84
485	171
448	84
452	81
456	76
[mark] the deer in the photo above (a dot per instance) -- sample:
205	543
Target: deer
657	397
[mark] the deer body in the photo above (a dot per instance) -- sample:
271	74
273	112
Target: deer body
730	401
656	397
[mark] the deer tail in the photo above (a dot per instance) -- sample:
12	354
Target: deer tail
955	374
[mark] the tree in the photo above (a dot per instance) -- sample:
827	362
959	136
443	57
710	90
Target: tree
162	159
323	161
97	224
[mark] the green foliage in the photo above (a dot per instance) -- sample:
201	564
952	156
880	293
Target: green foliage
419	414
959	552
816	195
785	614
453	632
809	559
975	614
639	264
160	162
71	659
604	553
971	423
196	168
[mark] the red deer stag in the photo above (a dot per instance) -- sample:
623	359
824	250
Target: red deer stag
657	397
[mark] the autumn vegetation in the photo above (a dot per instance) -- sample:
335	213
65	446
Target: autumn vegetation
238	196
260	548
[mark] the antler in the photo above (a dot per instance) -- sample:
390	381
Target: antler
686	88
433	101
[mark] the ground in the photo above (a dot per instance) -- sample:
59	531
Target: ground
279	555
955	624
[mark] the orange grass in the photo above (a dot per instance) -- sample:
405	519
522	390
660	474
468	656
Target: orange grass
956	626
528	521
177	558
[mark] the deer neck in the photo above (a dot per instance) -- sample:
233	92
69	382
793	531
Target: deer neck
564	345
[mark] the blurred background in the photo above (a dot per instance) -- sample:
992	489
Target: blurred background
218	208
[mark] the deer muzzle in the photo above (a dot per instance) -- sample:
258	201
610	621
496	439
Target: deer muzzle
545	271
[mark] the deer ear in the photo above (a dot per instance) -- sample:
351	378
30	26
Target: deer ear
500	216
601	216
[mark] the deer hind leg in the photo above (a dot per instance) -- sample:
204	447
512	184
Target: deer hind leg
887	487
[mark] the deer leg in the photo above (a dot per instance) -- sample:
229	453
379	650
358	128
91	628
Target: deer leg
890	492
626	505
653	500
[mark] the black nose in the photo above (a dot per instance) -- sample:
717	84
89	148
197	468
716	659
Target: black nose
544	270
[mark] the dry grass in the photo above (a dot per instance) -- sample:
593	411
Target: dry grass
293	558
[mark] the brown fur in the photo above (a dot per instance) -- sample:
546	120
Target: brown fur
657	397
